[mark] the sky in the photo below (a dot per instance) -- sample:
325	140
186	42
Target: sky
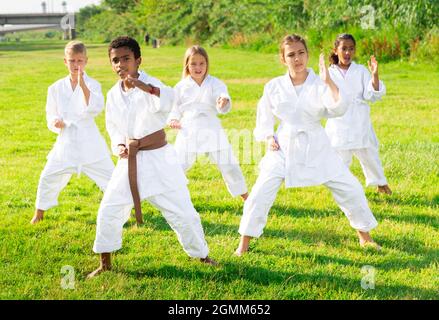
34	6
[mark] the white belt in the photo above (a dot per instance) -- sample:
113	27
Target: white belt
298	144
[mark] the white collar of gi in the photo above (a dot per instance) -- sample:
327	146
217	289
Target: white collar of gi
288	86
193	82
67	79
308	80
352	67
68	83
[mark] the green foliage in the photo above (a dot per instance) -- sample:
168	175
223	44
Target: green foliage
427	49
84	15
388	29
121	6
110	25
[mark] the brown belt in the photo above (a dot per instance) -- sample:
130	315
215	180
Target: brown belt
150	142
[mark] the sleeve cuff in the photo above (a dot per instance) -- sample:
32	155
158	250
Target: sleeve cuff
262	135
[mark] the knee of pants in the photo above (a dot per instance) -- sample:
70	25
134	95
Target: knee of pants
257	206
232	174
264	192
46	180
185	221
349	191
355	197
117	214
346	157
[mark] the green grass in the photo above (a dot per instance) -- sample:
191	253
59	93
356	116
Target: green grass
308	250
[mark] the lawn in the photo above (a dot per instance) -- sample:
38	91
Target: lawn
308	250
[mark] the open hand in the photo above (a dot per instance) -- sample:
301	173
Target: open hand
80	75
373	65
323	70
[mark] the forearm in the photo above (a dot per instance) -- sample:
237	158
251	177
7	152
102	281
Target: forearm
149	88
86	92
334	90
375	82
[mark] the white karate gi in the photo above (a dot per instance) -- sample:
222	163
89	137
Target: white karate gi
160	178
79	147
201	131
305	157
352	133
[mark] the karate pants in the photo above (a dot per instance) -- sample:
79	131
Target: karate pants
227	164
176	207
370	163
345	188
55	177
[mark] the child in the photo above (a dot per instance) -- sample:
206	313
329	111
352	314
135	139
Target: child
72	104
199	97
300	152
352	133
136	111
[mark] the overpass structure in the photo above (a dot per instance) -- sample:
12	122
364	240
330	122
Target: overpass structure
16	22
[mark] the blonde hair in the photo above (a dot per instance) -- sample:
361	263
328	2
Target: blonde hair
289	39
75	47
190	52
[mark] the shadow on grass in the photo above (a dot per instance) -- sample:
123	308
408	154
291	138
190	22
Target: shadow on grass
405	243
231	272
417	200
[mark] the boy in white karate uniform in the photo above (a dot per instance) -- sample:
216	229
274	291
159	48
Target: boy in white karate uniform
72	104
352	133
300	152
199	97
136	112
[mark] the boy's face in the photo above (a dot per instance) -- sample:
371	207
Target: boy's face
123	62
74	61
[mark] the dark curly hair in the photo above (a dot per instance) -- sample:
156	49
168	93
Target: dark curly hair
125	41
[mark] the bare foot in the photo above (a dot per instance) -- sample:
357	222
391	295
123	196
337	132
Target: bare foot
105	265
244	244
371	245
209	261
38	216
384	189
244	196
366	241
97	272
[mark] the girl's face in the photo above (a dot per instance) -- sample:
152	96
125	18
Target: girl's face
197	67
295	57
345	52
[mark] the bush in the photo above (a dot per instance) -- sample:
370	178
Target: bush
391	29
427	49
107	25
